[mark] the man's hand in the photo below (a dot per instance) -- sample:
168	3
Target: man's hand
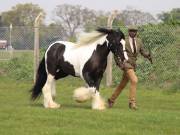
121	65
118	62
150	58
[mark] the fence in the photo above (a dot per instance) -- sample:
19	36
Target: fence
163	40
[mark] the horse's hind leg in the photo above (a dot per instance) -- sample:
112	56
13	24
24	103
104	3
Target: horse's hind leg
53	90
47	92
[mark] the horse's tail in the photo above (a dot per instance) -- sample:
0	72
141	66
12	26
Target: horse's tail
41	78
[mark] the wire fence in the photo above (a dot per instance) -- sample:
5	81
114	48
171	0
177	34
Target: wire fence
16	55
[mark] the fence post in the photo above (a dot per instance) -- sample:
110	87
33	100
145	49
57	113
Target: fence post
109	61
10	48
36	44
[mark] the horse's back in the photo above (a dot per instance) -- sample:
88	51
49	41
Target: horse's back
62	43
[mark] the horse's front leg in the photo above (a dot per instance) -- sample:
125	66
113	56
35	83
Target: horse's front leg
98	102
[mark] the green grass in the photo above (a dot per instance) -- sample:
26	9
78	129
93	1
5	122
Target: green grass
158	114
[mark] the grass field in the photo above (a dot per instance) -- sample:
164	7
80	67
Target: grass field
158	114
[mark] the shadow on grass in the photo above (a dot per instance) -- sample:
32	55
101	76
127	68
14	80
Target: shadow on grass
63	106
36	105
76	106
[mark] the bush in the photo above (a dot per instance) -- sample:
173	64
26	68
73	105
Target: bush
164	44
19	68
157	36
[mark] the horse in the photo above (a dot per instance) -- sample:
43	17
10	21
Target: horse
87	59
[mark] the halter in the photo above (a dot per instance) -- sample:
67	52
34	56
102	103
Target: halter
116	56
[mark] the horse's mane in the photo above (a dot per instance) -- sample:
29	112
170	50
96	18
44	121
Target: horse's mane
90	38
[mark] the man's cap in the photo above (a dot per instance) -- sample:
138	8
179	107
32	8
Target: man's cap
132	28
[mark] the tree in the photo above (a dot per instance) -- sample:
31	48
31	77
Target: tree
136	17
51	33
21	15
0	20
172	17
124	18
100	20
73	18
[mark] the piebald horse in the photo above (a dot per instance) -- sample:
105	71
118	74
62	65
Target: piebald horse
87	58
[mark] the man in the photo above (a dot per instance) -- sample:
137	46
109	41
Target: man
133	48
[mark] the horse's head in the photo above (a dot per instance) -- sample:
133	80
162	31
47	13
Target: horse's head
116	44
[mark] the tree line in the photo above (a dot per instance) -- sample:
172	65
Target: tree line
71	18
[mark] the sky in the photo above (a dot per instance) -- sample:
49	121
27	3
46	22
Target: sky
152	6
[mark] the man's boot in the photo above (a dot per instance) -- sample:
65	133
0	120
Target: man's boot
110	103
132	105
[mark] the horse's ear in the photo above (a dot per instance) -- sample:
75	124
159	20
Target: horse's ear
104	30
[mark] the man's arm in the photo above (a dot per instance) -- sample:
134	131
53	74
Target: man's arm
145	54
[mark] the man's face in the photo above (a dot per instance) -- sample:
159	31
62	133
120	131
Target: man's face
132	33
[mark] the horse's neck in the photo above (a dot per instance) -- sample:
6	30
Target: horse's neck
103	50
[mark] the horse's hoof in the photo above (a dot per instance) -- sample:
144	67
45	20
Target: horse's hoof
53	105
99	108
98	103
82	94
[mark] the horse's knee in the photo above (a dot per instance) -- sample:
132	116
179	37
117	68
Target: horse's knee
50	79
49	82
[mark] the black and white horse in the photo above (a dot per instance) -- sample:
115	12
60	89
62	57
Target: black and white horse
86	59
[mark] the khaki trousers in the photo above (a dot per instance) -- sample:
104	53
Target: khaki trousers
128	75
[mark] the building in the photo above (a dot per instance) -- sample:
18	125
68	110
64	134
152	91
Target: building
3	44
